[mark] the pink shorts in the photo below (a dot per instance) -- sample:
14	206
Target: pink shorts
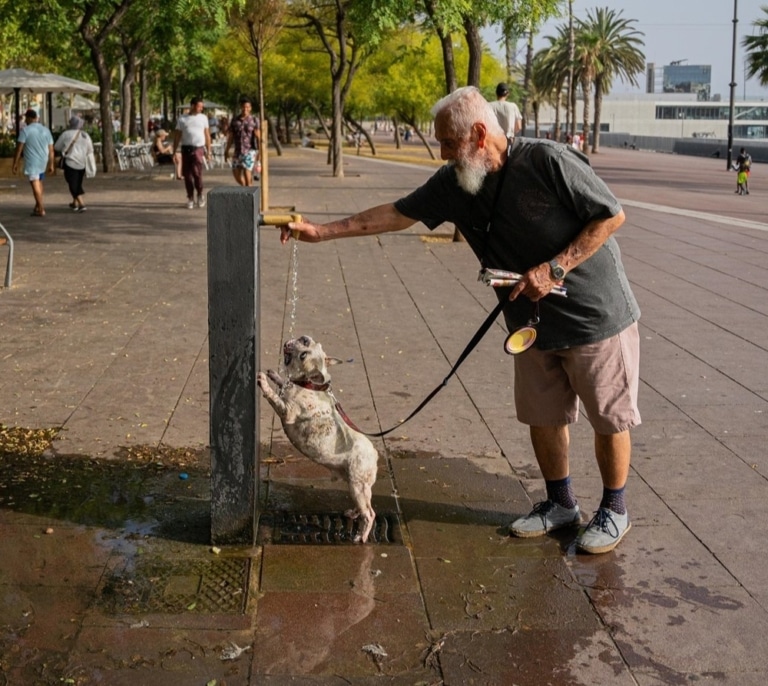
604	376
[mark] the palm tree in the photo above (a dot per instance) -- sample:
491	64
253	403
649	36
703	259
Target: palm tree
551	67
586	58
611	46
757	50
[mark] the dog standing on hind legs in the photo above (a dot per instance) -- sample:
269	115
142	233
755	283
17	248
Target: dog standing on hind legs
312	422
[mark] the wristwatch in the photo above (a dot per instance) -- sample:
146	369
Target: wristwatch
556	270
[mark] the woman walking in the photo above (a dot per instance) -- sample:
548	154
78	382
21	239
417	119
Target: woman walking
75	145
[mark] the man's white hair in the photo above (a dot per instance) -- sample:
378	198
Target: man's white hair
467	106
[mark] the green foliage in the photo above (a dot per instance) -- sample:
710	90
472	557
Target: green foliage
404	78
757	49
7	145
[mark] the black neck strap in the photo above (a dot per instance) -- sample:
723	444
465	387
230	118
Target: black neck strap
497	195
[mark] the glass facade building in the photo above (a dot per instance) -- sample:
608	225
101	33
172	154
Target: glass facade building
688	78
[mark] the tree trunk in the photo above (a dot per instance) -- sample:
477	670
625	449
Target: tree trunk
598	110
510	49
527	81
320	118
104	77
359	127
273	137
396	124
586	86
412	122
446	45
144	102
127	106
570	117
556	132
337	154
475	46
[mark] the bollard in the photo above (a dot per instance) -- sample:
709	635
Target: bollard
233	343
233	339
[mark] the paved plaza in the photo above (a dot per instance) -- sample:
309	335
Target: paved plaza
107	573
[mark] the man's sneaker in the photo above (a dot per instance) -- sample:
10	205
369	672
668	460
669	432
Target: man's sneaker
201	201
190	204
603	532
545	516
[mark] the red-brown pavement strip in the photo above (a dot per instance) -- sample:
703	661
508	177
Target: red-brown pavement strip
104	332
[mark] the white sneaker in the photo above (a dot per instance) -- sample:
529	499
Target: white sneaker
190	204
545	516
201	201
603	532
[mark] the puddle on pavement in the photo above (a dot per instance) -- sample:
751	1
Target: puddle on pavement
159	490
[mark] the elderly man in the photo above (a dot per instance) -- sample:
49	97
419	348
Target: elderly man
536	207
35	142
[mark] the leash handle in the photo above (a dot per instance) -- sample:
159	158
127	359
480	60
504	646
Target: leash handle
465	353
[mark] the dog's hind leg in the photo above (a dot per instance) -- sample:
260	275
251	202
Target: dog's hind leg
361	495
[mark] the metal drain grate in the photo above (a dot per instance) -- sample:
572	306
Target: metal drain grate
329	528
198	586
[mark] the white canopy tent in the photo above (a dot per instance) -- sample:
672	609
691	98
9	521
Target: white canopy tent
18	81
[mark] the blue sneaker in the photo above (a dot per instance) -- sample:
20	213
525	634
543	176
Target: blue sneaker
603	532
545	516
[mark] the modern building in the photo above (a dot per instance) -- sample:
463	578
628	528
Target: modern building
677	77
672	115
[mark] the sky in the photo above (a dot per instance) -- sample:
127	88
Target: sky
699	31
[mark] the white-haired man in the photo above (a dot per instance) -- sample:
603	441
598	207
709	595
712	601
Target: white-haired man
537	208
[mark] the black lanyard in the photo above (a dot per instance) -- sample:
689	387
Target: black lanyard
497	195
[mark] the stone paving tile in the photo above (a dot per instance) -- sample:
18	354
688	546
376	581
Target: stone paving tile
147	655
567	656
324	633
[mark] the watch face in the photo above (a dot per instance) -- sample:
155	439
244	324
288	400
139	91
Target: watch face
557	271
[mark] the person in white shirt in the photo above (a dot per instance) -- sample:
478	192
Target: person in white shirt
506	112
75	145
192	140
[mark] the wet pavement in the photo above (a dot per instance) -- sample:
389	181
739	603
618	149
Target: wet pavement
107	574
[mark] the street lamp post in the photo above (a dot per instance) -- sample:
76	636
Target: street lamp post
733	85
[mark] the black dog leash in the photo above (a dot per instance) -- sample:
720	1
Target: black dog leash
478	335
465	353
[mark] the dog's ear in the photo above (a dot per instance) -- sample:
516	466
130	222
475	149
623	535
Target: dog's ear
330	361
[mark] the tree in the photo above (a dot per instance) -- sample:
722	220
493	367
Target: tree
551	67
524	17
615	52
757	50
97	25
397	94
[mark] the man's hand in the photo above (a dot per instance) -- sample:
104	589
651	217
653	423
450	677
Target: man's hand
535	284
301	231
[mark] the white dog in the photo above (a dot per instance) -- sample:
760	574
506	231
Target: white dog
311	420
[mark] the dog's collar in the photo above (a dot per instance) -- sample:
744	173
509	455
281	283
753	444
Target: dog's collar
310	385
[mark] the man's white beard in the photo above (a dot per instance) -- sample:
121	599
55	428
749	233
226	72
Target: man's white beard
470	173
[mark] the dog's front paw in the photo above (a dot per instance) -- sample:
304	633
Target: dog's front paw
275	378
261	381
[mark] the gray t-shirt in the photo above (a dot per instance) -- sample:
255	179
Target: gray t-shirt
549	194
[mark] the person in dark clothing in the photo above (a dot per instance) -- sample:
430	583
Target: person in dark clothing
537	208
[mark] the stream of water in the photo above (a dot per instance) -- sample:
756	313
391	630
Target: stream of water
293	297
